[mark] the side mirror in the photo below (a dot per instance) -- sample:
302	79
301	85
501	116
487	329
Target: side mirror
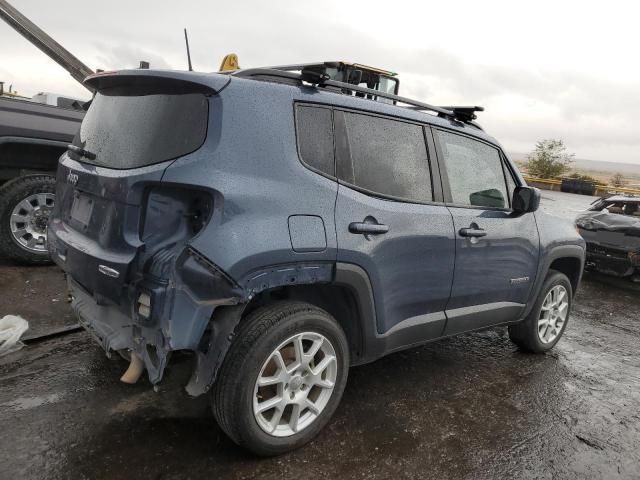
525	199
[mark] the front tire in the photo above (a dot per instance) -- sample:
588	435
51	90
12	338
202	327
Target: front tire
548	318
25	206
282	379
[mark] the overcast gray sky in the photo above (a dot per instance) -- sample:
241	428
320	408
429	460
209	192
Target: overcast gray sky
543	69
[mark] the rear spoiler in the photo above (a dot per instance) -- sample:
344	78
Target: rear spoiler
211	83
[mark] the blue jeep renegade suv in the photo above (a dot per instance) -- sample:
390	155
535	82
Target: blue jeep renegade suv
284	226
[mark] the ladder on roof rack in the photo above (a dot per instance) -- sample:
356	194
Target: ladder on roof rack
459	114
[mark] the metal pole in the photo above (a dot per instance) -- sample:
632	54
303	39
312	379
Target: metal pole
29	30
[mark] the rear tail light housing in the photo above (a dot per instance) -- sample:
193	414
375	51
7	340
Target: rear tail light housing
172	214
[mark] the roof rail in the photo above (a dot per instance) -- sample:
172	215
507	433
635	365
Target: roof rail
453	113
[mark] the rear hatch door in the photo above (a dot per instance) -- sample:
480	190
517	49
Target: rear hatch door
137	124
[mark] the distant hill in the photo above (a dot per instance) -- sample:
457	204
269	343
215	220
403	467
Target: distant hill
611	167
594	165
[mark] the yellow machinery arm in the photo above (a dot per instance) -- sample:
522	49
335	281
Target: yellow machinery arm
229	62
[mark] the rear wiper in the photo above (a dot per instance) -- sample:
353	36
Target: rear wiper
82	152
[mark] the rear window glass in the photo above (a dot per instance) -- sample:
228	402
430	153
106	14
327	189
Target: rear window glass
126	130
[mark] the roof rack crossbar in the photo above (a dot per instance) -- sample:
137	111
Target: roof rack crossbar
466	113
272	72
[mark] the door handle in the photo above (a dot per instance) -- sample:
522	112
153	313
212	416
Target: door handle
368	228
473	232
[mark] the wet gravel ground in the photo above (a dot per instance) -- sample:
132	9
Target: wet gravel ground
470	407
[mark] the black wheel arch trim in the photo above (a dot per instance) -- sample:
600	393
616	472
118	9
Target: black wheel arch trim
223	323
298	273
373	345
225	318
576	252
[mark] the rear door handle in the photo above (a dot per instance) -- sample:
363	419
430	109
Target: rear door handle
472	232
368	228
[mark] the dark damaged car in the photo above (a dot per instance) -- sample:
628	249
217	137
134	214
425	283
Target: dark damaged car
283	227
611	229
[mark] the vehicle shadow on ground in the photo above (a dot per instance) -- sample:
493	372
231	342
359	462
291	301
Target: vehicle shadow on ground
401	411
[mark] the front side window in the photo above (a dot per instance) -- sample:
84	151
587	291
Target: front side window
474	171
383	156
511	184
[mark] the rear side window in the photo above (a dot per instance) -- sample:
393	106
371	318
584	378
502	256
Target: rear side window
314	127
129	129
474	171
383	156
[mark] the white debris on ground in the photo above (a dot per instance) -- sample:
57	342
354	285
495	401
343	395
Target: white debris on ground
11	329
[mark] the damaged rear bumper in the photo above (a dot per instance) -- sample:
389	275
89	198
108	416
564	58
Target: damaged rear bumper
113	330
157	315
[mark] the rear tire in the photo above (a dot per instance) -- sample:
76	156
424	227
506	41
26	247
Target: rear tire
23	230
238	400
548	318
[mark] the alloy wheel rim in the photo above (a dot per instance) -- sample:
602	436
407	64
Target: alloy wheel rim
29	220
295	384
553	314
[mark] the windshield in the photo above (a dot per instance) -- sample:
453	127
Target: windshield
125	128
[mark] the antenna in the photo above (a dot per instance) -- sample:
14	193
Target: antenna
186	41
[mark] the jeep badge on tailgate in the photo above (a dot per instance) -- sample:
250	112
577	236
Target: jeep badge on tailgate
72	178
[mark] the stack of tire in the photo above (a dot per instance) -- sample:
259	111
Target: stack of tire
576	185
